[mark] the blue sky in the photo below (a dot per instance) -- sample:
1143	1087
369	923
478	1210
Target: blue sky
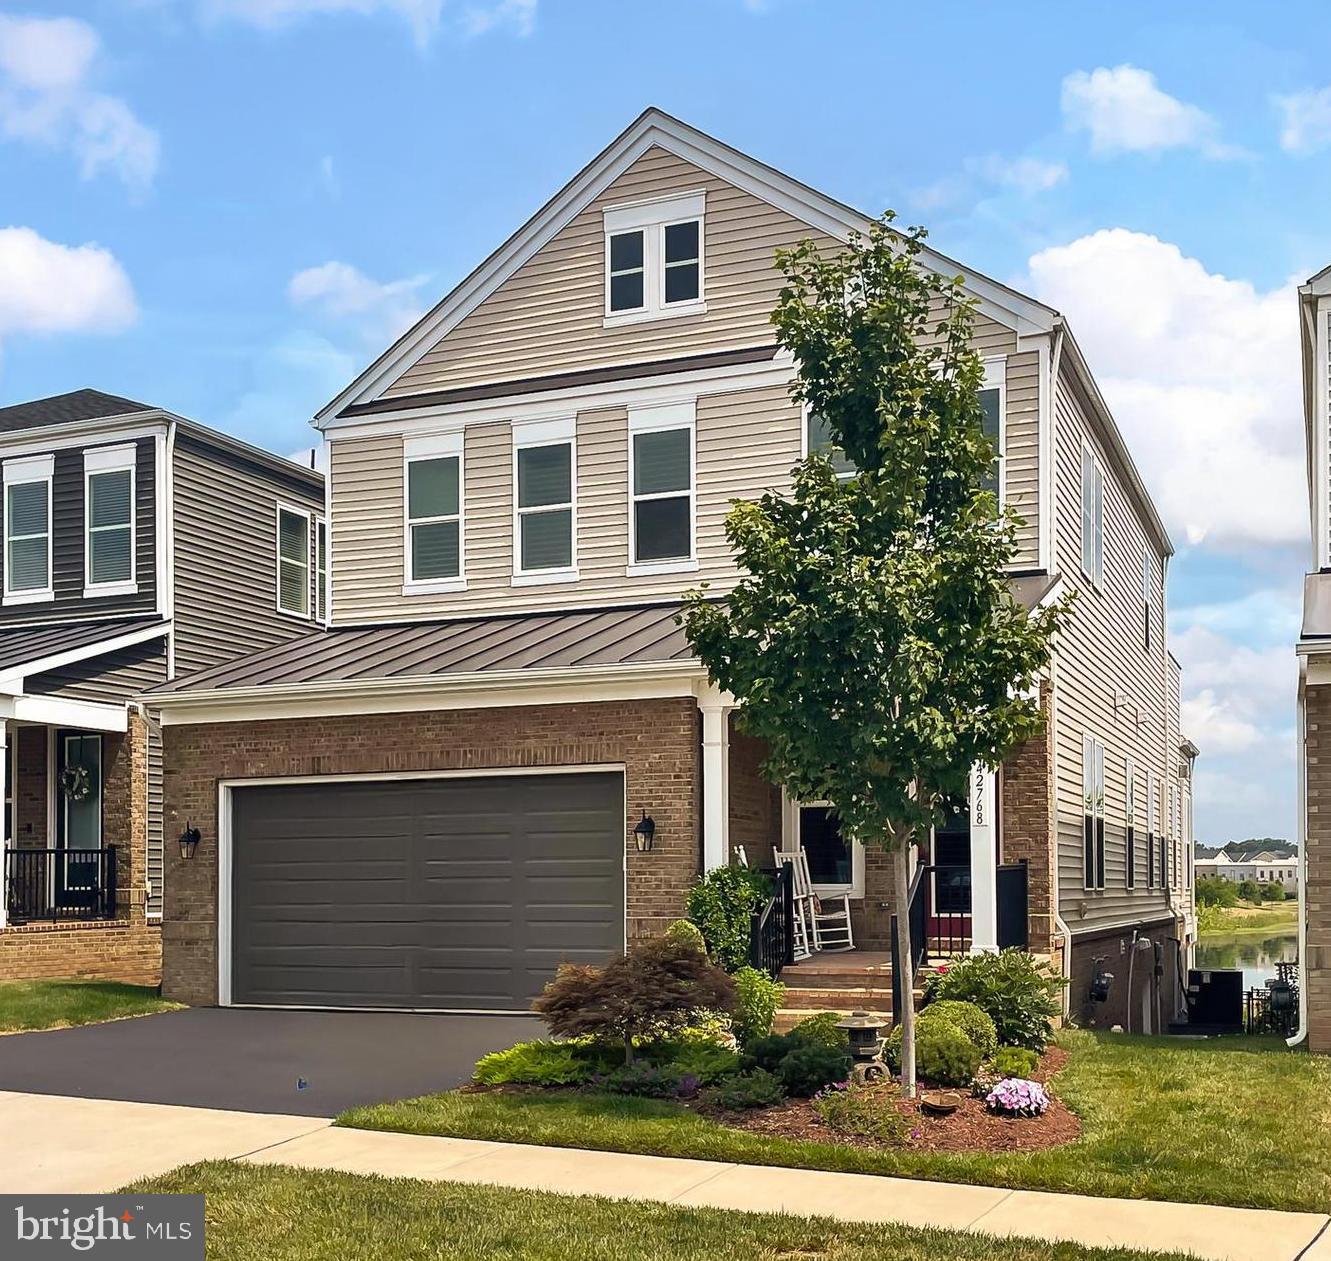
226	207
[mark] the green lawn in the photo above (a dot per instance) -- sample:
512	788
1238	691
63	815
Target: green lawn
1239	1121
29	1005
1246	918
277	1214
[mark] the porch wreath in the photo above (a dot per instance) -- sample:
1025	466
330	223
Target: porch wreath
76	783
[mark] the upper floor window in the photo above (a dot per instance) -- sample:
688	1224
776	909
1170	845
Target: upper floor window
1130	820
434	511
1093	814
108	521
818	438
654	258
661	473
544	516
28	529
321	568
1148	595
991	415
1092	517
293	561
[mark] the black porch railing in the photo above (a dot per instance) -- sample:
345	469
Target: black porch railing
60	884
772	926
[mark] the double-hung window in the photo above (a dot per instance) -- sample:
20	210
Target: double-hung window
992	395
819	440
1092	518
1152	822
1130	825
108	521
544	513
661	520
1169	871
434	504
321	568
1093	815
293	561
654	258
28	529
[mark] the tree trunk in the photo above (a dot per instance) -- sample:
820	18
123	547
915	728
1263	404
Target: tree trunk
905	960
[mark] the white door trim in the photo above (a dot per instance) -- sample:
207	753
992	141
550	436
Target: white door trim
790	844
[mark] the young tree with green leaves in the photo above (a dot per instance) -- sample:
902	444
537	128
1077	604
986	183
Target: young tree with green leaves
871	640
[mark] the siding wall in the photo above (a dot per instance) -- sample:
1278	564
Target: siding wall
110	678
1101	656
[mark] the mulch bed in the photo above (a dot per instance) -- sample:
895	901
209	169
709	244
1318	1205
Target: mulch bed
971	1128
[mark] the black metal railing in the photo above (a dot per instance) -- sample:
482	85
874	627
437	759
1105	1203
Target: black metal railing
60	884
1012	895
1274	1008
772	926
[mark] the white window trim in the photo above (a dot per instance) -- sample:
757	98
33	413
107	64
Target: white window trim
1096	578
1130	824
995	378
322	591
305	514
651	217
790	844
664	419
1092	778
21	472
550	432
110	460
434	447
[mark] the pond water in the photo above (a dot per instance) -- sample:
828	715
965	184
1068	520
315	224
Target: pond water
1255	953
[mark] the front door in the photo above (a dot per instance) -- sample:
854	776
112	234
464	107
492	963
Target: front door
950	881
78	818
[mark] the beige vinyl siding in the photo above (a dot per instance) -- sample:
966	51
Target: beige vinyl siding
1101	659
1022	451
548	317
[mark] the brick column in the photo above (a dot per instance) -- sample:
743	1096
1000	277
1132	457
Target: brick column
1317	887
125	814
1027	812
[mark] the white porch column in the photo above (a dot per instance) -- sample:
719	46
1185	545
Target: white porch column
5	839
984	861
715	707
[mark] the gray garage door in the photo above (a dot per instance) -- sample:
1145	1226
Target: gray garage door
453	893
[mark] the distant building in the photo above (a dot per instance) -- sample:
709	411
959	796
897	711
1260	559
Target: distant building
1265	868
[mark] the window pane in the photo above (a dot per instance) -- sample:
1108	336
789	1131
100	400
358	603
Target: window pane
293	538
990	423
625	251
661	461
547	540
661	529
828	853
109	558
820	442
293	587
108	498
681	283
27	564
434	550
545	475
432	487
626	292
681	242
28	508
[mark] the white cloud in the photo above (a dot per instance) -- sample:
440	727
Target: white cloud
517	15
424	17
1125	112
46	287
339	291
47	98
1305	120
1202	374
1025	175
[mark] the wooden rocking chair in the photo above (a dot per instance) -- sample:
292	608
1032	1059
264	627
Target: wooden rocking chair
806	933
829	917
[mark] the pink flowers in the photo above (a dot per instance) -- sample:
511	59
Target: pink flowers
1016	1097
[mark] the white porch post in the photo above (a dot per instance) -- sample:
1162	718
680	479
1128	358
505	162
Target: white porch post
984	861
5	839
715	778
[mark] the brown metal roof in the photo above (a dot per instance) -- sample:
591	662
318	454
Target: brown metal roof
22	645
531	641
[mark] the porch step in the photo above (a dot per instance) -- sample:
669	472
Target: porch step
838	998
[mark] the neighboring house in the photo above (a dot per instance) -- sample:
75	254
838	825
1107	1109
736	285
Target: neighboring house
137	545
522	488
1264	868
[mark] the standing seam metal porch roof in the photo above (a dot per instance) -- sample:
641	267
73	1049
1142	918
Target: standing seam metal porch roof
22	645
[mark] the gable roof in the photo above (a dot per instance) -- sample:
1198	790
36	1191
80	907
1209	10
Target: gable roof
655	128
67	409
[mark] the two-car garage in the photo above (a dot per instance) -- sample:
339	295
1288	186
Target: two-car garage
435	892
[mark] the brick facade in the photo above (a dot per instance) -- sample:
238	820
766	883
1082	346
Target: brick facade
755	805
1131	1008
31	787
1027	823
127	950
657	741
1317	885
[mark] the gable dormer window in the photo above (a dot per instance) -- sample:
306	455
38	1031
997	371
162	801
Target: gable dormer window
28	529
654	259
108	522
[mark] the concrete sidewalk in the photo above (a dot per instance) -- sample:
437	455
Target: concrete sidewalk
53	1143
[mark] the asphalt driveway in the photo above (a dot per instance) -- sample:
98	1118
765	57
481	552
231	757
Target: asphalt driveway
301	1063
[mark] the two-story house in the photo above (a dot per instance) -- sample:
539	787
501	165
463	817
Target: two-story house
445	793
137	545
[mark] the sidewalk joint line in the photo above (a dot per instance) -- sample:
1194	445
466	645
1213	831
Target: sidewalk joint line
1307	1248
702	1182
1009	1192
282	1142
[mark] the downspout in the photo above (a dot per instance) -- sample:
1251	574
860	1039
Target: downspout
1301	836
170	544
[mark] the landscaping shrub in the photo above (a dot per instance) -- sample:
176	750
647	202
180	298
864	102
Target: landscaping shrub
1273	892
945	1056
822	1030
653	1081
1017	1098
709	1062
1020	993
973	1021
1250	891
652	992
809	1067
755	1089
862	1111
768	1052
758	999
540	1063
1013	1061
721	904
1216	891
686	930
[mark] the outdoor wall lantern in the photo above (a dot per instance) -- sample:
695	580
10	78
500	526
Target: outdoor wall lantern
189	841
644	833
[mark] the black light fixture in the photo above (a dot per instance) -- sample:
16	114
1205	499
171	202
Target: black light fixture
189	841
1101	982
644	832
